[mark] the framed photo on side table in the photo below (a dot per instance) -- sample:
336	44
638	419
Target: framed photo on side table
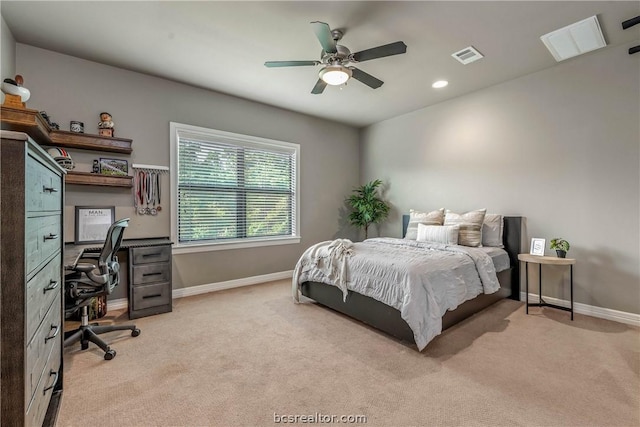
537	246
92	223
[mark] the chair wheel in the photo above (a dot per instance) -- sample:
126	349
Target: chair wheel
109	355
135	332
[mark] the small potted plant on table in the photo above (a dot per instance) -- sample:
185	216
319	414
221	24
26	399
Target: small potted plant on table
560	245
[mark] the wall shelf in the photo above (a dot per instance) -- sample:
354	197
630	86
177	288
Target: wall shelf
32	123
27	121
86	178
85	141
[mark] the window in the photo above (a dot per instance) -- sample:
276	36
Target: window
232	190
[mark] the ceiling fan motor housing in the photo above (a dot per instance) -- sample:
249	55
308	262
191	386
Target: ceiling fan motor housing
342	56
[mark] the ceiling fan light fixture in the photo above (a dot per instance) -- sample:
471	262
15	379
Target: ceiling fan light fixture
335	75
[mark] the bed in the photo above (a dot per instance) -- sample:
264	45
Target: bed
389	319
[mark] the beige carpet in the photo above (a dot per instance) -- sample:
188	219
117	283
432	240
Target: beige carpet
238	357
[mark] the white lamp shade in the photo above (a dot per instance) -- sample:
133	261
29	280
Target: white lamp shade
335	75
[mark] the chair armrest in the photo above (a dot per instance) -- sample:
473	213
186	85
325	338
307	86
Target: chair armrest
83	267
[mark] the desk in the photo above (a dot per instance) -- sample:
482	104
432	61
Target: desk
535	259
149	287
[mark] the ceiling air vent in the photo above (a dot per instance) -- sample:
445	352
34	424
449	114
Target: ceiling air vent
575	39
467	55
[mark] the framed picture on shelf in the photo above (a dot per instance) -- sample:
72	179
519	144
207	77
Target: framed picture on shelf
537	247
115	167
92	223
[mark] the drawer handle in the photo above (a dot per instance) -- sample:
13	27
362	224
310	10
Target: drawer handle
153	254
57	328
51	236
151	296
52	285
157	273
49	189
55	380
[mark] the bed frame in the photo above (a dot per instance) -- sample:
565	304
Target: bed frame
389	320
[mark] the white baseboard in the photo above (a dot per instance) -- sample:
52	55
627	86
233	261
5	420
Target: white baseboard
122	303
579	308
229	284
589	310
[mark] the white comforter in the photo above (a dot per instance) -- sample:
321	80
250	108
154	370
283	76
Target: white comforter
420	279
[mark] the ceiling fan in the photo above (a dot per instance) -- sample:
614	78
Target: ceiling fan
335	59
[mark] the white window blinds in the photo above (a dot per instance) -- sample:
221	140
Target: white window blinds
234	189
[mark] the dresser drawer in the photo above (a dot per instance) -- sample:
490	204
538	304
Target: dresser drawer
37	408
42	289
43	235
151	254
44	188
46	338
151	273
146	296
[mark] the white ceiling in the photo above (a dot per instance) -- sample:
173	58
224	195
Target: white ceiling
222	46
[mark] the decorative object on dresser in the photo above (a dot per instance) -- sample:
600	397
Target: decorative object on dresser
367	207
560	245
32	202
15	95
85	281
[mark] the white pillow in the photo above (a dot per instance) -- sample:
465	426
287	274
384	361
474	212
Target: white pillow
447	234
492	230
428	218
470	223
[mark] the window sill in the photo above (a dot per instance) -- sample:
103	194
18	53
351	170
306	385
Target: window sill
237	244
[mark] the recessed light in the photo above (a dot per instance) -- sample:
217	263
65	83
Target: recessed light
439	84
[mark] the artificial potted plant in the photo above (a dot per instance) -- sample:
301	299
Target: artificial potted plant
560	245
367	207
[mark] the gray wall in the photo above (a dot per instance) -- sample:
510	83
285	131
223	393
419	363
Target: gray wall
560	147
69	88
8	54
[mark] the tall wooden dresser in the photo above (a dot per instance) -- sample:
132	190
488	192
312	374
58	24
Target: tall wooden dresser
32	286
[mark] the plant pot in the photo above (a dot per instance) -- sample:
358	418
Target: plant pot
561	253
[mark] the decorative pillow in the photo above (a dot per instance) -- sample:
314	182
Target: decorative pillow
447	234
426	218
470	223
492	229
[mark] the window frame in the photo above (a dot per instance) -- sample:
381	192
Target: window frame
180	130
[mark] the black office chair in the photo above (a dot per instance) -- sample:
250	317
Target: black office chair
86	281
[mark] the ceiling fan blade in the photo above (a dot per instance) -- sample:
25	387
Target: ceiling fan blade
365	78
380	51
319	87
273	64
323	33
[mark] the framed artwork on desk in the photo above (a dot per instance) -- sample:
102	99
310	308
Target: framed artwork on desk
92	223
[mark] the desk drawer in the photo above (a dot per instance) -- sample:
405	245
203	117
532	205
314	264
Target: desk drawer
151	254
151	295
46	338
43	236
151	273
44	187
42	289
37	409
